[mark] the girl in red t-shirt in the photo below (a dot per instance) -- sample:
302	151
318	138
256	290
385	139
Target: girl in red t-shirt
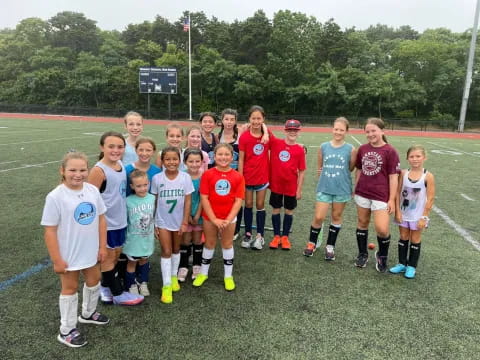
378	166
222	190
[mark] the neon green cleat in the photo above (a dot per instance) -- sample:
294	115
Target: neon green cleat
175	284
199	280
229	283
167	297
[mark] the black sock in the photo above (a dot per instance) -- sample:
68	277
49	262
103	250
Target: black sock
333	233
239	220
383	245
314	234
121	266
276	224
197	254
287	224
112	281
414	254
248	219
402	251
185	251
362	237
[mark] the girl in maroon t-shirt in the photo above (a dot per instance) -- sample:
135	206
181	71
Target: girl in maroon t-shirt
378	166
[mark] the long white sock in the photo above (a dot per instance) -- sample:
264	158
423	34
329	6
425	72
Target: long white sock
228	261
68	312
166	266
175	263
207	256
90	300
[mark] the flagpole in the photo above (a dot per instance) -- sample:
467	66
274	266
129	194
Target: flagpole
189	67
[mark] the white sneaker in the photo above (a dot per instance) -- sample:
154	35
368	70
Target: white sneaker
195	271
258	243
143	288
235	236
106	295
182	274
133	289
247	241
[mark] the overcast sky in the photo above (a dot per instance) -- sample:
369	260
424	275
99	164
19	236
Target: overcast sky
456	15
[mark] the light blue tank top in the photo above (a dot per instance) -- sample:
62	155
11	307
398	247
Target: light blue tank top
335	178
130	155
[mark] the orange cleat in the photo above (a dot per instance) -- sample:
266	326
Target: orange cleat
285	243
275	242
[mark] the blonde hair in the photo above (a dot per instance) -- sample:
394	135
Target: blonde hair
72	155
416	148
143	140
223	145
173	126
132	113
342	120
135	174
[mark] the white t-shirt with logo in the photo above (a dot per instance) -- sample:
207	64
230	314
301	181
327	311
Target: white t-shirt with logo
76	214
171	199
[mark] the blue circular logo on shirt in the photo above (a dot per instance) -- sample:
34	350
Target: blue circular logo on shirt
222	187
258	149
85	213
123	188
211	157
284	155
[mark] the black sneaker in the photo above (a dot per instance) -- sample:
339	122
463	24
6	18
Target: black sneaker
73	339
381	264
361	260
96	318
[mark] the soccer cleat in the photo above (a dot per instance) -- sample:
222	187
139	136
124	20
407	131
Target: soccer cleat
381	264
133	289
275	242
106	295
96	318
195	271
199	280
397	269
362	260
143	288
73	339
175	284
309	249
229	283
410	272
166	297
329	253
247	241
258	243
127	299
285	243
182	274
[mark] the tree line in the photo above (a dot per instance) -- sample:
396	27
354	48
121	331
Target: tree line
291	64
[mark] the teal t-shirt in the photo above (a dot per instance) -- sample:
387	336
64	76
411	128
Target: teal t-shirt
335	178
196	198
140	230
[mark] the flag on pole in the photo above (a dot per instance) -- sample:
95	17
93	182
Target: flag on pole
186	25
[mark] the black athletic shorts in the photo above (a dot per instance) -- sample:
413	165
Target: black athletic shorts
278	201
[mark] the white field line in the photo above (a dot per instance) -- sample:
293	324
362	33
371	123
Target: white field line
8	162
354	138
464	233
36	165
453	149
39	141
467	197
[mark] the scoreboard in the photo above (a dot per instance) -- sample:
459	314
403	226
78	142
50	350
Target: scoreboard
161	80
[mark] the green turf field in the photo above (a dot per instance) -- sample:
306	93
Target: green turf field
286	306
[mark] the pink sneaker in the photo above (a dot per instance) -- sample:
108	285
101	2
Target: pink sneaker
127	299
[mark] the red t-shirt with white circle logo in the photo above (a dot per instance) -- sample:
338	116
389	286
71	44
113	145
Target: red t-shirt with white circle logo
255	164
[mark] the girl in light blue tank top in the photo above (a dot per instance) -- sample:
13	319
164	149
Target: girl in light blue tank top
336	160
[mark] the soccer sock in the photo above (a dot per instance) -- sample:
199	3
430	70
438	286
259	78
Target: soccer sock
197	254
402	251
185	251
90	299
276	224
260	215
143	272
129	280
248	219
383	245
314	234
113	282
333	231
207	256
228	261
121	266
414	254
239	220
175	263
362	237
166	267
68	305
287	224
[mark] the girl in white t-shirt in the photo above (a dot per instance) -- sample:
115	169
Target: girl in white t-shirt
172	189
76	235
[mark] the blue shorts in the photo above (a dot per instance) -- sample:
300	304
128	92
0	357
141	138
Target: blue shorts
116	238
329	198
257	187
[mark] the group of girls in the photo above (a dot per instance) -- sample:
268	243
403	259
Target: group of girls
193	196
